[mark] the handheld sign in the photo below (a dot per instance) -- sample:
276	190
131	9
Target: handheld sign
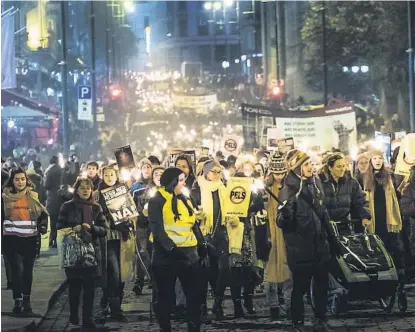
124	156
120	203
238	197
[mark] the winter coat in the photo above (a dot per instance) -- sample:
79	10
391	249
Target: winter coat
344	199
70	216
408	216
306	237
71	173
37	181
52	183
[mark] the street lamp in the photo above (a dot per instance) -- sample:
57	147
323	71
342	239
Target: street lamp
228	3
355	69
129	6
208	6
217	5
364	69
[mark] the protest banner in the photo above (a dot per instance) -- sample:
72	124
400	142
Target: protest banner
384	142
201	102
174	153
124	157
406	156
238	197
231	144
120	203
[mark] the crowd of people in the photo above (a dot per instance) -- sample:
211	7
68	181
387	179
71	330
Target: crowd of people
186	246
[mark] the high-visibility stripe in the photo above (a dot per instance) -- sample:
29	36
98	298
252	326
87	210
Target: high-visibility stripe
177	228
19	230
182	239
19	222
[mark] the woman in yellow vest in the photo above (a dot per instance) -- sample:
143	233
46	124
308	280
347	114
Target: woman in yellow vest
23	218
175	255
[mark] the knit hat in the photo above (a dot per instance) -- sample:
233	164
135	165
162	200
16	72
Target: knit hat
277	164
169	176
145	161
209	165
361	156
372	153
157	168
295	159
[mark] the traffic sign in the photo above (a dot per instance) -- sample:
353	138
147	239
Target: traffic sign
85	102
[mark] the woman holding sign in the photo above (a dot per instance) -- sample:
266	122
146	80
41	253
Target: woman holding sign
175	252
118	231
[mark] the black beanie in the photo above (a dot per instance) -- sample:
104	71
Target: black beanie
169	176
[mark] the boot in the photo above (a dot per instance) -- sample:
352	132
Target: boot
217	309
204	318
122	285
274	313
18	306
238	310
299	327
192	327
27	308
115	306
249	305
321	326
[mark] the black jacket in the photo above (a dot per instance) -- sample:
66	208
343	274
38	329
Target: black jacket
70	216
37	181
52	183
306	237
345	199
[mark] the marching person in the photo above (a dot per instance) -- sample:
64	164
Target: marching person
277	272
138	187
86	218
184	164
143	229
172	219
23	217
117	233
303	219
92	168
343	196
384	206
52	183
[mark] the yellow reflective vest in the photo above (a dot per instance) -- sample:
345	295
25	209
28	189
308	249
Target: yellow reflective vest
180	231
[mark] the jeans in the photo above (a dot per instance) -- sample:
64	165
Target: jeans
271	293
113	268
301	284
74	289
165	278
236	278
180	297
21	254
209	275
142	245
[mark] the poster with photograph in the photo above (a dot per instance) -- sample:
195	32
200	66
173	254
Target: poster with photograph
406	156
174	153
124	157
273	135
384	142
284	145
120	203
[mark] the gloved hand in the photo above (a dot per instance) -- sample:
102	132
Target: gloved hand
124	229
233	221
177	254
85	235
42	229
77	228
202	250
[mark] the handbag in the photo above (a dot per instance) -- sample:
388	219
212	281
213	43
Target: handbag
73	251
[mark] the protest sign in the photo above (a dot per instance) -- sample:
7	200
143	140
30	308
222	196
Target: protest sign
384	142
406	156
231	144
124	157
273	135
238	197
174	153
119	202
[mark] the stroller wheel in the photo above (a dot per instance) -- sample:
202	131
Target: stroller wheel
336	305
387	303
402	302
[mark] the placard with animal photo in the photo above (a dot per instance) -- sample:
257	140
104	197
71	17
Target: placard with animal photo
124	156
120	203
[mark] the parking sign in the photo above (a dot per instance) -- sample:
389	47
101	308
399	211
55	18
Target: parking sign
85	102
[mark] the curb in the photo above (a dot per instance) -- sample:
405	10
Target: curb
37	321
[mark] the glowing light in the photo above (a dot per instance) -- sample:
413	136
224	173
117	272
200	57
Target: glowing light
152	192
354	153
345	69
226	174
207	6
125	174
276	90
50	141
10	124
304	146
364	69
84	175
243	57
228	3
129	6
61	160
71	190
355	69
217	5
116	92
186	192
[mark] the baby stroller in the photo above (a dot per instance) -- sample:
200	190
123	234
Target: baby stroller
365	271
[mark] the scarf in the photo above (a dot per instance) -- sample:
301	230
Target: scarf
36	208
207	188
86	208
393	213
235	230
277	270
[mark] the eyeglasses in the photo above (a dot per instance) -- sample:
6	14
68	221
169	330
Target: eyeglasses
216	172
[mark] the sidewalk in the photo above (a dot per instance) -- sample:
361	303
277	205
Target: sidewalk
48	283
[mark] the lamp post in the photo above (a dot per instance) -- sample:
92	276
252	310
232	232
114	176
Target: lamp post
64	76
